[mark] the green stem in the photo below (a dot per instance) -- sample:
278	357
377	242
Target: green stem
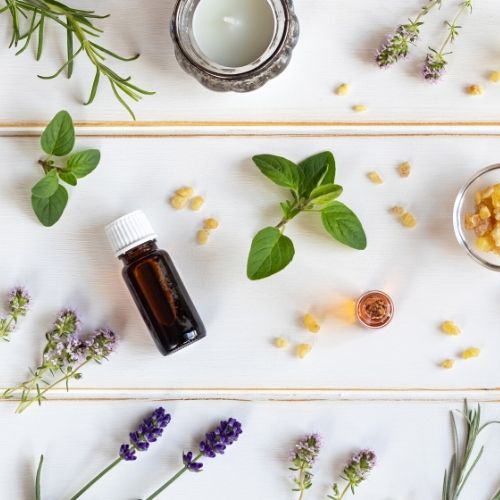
464	6
96	478
172	479
24	405
346	489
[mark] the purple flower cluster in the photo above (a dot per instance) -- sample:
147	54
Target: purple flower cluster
306	451
190	463
359	466
434	67
148	432
398	44
18	301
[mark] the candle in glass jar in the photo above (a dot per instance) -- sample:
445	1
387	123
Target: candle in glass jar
375	309
233	33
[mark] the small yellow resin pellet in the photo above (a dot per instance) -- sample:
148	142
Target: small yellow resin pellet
280	342
202	236
494	77
484	212
211	223
375	177
311	324
447	364
196	203
408	220
178	202
471	352
360	108
303	350
185	192
342	89
404	169
400	211
450	328
485	243
475	90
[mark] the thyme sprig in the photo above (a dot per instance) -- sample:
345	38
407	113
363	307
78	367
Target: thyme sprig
462	462
81	36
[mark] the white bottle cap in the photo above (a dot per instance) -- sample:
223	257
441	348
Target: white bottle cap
129	231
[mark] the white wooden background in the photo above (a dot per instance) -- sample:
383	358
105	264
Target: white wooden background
337	44
357	388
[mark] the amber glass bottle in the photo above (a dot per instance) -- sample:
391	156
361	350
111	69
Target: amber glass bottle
155	284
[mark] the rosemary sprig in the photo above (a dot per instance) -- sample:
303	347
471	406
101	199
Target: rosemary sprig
462	464
81	36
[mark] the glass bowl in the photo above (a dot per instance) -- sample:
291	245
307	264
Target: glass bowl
465	204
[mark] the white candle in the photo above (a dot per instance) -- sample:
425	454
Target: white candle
233	33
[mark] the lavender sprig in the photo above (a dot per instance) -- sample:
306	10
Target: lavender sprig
215	443
150	429
18	302
355	472
435	61
398	43
303	457
64	352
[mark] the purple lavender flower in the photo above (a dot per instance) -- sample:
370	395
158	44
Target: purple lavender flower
398	44
190	463
216	441
434	67
146	433
18	301
359	466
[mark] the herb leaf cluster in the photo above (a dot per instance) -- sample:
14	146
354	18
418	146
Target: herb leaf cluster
313	189
48	196
81	36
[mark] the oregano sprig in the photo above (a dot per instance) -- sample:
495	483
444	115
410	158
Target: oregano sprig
48	196
313	189
81	36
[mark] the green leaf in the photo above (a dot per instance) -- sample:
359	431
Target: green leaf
38	480
69	178
316	170
46	186
323	196
341	223
59	137
281	171
83	163
49	210
271	251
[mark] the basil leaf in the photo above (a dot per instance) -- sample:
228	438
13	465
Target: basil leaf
49	210
82	163
343	225
69	178
271	251
323	196
59	137
281	171
316	170
46	186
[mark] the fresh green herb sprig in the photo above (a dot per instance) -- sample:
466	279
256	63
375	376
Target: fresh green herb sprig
313	189
48	196
462	461
81	36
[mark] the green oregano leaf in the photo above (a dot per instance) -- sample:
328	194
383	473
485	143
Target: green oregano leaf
58	138
84	162
271	251
46	186
316	170
69	178
343	225
49	210
281	171
323	196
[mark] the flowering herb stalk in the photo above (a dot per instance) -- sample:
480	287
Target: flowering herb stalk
355	472
462	462
398	43
303	457
18	302
435	61
215	443
146	433
65	353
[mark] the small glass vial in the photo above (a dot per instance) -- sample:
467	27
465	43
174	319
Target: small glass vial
374	309
155	284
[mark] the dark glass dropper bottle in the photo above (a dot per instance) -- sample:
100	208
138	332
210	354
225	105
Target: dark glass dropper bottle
155	284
